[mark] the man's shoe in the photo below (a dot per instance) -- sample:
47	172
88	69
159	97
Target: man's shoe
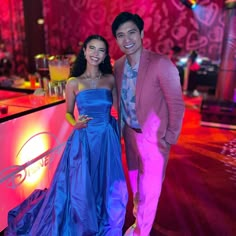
130	230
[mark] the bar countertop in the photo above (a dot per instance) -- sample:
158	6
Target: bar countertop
20	103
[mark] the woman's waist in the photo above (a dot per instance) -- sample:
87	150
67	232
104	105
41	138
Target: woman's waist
99	121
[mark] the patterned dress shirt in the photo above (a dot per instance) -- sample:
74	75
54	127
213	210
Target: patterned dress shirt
128	96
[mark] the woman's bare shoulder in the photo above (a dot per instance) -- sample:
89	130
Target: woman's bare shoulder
109	80
108	76
74	81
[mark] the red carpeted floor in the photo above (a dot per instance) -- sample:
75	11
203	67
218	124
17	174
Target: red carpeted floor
199	192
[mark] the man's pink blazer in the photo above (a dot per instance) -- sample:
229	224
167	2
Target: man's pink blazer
159	99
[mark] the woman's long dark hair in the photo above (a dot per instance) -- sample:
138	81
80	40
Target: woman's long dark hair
79	66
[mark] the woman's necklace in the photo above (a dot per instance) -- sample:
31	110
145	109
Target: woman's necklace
93	82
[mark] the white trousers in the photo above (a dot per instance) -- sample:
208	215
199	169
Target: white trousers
147	163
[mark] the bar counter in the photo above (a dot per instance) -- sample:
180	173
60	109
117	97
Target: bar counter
33	134
21	100
25	104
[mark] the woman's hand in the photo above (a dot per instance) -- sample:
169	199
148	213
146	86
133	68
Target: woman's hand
82	122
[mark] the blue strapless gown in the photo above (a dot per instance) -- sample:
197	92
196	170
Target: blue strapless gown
88	194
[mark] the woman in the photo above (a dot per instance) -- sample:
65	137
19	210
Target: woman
88	194
191	74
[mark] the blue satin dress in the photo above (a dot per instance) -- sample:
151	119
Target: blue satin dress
88	194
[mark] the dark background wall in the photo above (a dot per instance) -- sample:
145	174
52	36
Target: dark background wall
34	32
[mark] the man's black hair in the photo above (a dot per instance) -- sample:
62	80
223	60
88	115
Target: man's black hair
124	17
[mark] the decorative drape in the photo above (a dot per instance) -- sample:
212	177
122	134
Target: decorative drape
12	33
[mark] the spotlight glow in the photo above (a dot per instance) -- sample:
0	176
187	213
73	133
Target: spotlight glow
190	3
33	148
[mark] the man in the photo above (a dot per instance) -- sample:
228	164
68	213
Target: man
151	110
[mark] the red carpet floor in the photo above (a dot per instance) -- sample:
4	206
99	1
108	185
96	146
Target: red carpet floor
199	192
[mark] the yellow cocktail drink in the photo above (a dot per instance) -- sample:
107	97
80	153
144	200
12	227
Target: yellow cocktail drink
59	69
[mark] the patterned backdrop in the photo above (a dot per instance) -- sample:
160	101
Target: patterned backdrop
12	32
69	22
167	23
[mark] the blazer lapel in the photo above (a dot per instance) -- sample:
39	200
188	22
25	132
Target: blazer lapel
142	71
119	75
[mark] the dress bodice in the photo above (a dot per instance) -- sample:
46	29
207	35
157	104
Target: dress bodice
95	103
